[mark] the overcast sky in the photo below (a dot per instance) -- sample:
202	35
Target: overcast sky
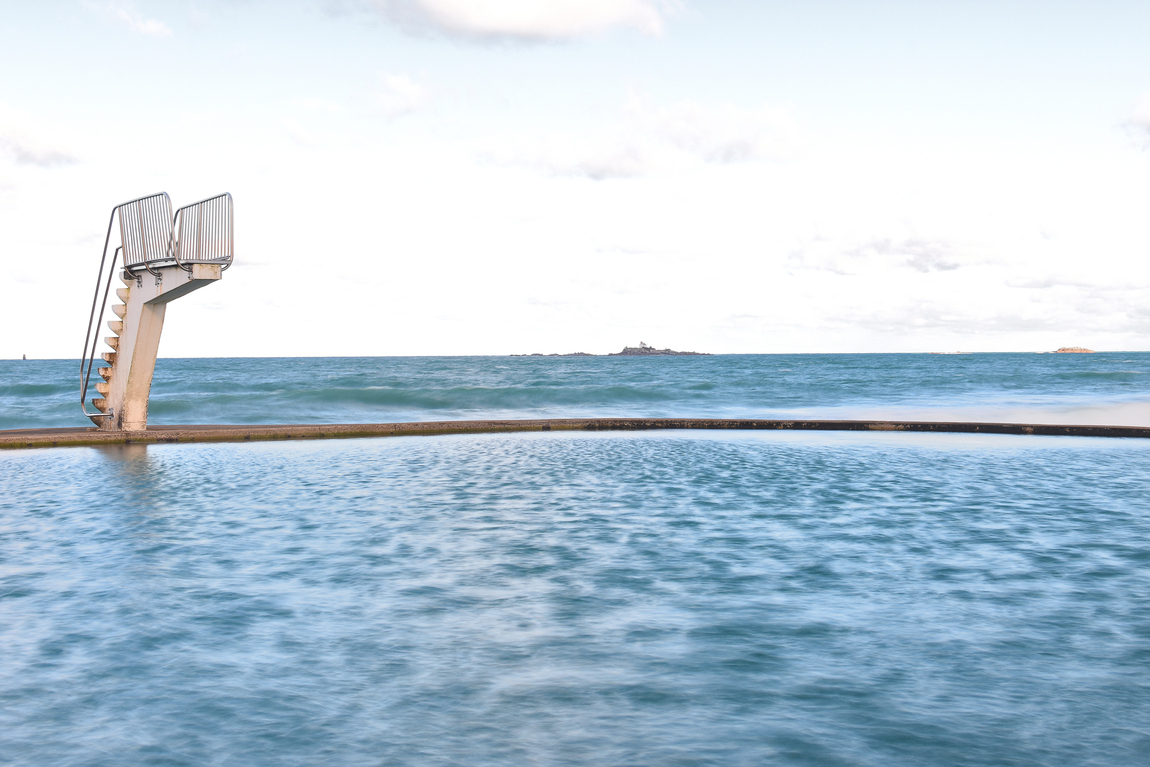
510	176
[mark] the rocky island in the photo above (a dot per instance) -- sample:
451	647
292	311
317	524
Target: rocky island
642	350
1074	350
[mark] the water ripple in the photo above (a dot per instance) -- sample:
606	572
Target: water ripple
557	599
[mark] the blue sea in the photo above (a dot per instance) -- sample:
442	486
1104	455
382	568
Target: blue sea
669	598
1110	388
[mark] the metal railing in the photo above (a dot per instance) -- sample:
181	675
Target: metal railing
204	233
151	237
145	238
94	319
145	231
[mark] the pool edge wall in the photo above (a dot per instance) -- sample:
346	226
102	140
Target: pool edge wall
77	437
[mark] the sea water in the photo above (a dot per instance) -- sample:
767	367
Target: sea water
1110	388
673	598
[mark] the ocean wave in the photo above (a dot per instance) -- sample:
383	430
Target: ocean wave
975	387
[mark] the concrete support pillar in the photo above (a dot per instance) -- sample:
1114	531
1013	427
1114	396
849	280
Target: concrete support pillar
146	303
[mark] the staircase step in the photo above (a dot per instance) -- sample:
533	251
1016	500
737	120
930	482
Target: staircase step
109	357
103	387
113	341
119	309
100	404
122	294
105	373
116	326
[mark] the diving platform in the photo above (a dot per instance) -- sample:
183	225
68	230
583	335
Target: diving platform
161	257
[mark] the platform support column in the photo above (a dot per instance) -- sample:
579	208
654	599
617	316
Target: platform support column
148	295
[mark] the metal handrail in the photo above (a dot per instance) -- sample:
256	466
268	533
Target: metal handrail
85	377
203	233
146	231
130	237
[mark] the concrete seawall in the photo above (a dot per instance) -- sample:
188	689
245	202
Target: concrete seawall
29	438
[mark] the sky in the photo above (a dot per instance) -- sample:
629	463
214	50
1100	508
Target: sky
512	176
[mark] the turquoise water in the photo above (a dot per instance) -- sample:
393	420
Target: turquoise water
673	598
1110	388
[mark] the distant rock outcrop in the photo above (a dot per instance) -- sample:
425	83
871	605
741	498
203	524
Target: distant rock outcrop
642	350
1074	350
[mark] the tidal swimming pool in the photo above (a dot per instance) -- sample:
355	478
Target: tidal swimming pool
610	599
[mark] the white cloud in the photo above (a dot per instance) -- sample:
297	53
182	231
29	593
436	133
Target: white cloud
918	254
29	143
622	161
1139	122
138	23
28	152
882	255
596	157
299	135
721	133
400	95
648	138
527	19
